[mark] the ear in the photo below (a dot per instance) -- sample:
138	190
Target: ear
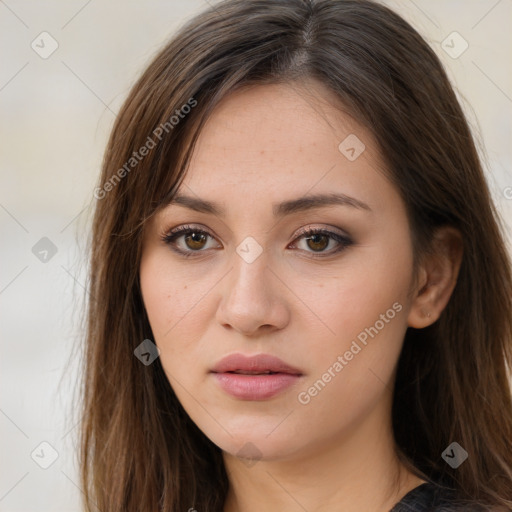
437	277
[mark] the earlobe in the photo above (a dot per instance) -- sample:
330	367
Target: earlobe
439	272
420	318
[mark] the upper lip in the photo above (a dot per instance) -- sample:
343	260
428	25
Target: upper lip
260	363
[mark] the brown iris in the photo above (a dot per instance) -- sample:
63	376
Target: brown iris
319	244
196	238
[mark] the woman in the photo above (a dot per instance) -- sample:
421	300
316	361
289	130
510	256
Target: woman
301	289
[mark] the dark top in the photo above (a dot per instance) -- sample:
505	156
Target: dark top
429	497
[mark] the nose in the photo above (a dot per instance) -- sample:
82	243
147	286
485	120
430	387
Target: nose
253	298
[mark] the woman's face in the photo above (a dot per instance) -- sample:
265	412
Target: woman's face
248	278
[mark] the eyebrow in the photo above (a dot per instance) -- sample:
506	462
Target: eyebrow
279	209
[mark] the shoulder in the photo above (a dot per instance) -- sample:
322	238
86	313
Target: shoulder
429	497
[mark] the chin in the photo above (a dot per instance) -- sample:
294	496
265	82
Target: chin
254	441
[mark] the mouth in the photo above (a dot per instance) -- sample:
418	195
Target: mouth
258	377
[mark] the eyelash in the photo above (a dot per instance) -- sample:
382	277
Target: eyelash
171	237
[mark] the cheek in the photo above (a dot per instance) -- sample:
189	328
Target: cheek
351	296
352	370
169	294
175	303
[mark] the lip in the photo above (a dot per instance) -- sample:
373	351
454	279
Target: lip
257	385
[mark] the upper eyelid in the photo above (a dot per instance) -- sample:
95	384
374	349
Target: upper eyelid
191	227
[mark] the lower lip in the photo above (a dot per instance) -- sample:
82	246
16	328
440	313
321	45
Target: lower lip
255	387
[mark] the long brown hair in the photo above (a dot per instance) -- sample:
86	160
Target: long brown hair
139	449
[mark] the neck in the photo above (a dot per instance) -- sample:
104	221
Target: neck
350	471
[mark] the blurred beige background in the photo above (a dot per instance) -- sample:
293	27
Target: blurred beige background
56	112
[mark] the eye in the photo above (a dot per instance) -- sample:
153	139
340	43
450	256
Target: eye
189	240
319	239
193	240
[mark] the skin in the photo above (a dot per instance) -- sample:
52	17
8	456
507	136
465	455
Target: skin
264	145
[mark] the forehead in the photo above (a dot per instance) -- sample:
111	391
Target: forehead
277	142
281	120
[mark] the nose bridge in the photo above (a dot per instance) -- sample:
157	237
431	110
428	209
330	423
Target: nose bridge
250	298
249	277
